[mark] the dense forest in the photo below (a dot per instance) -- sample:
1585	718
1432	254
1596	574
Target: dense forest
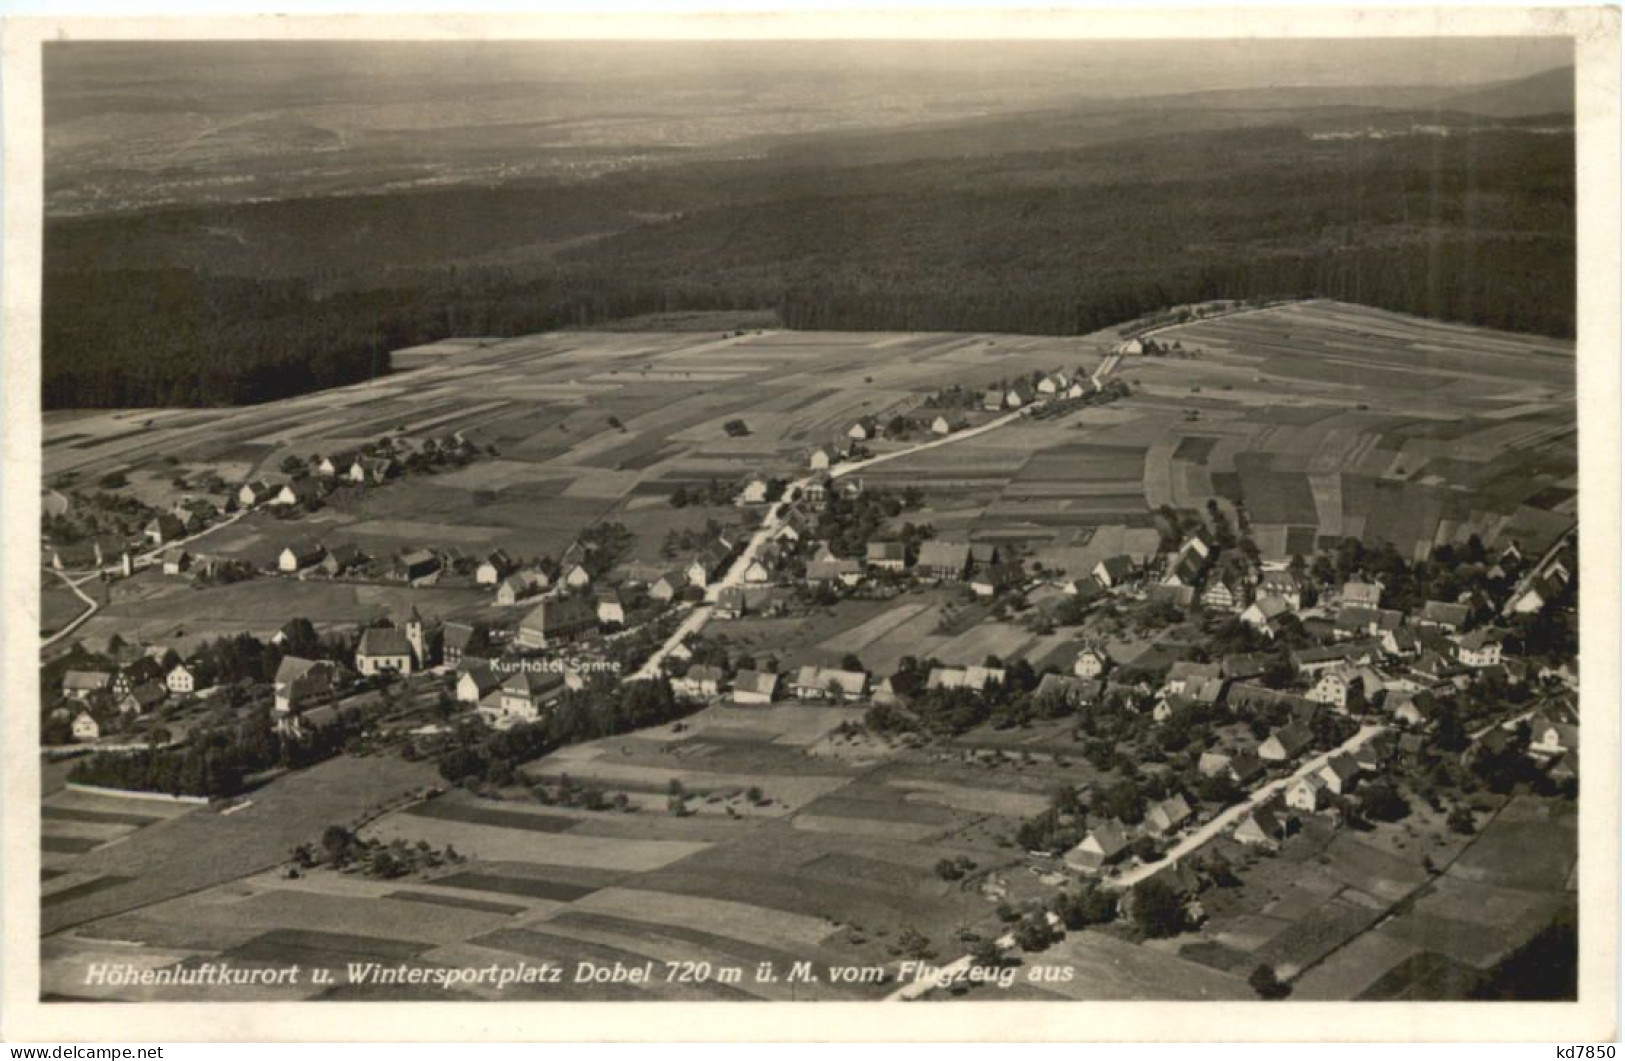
253	302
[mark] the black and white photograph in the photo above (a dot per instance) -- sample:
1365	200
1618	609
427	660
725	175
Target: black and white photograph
947	521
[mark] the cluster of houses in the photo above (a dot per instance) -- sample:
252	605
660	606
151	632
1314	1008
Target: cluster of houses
137	687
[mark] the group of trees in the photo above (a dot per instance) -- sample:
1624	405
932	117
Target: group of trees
603	708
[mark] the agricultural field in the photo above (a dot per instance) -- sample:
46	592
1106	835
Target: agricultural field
829	861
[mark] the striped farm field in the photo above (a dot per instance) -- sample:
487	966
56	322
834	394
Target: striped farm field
566	849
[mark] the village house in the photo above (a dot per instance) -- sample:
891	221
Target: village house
1368	594
847	572
1185	674
419	567
942	426
554	621
1312	661
519	585
887	556
990	581
1308	793
341	559
706	565
254	492
1239	666
373	470
476	681
300	491
304	683
496	566
522	696
576	576
180	679
1240	767
1168	816
1549	738
864	429
142	699
943	559
1106	843
993	400
1337	687
823	457
1341	773
1480	648
1266	614
85	727
1267	826
1018	394
164	528
455	639
735	602
985	555
1225	594
757	572
699	684
335	464
611	604
1286	743
138	671
1283	584
1353	621
1113	571
754	492
1073	691
1533	597
383	650
829	683
976	679
298	555
176	560
667	586
1442	615
755	687
1091	663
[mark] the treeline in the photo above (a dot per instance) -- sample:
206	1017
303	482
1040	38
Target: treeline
603	709
214	761
1477	228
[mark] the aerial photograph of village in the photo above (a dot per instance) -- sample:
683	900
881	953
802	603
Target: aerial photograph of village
799	521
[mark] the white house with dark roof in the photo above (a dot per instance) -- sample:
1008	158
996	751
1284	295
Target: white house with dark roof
383	650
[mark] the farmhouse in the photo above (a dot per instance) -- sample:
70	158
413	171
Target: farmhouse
298	555
552	621
989	581
1368	594
1481	648
85	728
848	572
165	528
754	491
706	565
1266	613
1308	793
611	606
976	679
887	556
419	567
1091	663
180	679
576	576
1248	695
667	586
1286	743
518	586
1267	826
1314	660
1018	394
1442	615
864	429
373	470
494	568
476	681
1283	584
757	572
1169	815
341	559
1073	691
1225	594
755	687
383	650
1548	738
1186	674
335	464
1337	687
821	458
993	400
1359	621
942	426
456	639
1341	773
1240	767
1105	844
829	683
304	683
943	559
522	696
142	698
139	671
300	491
737	601
1114	571
176	560
256	492
700	683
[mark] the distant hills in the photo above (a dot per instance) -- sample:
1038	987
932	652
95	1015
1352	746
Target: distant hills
1550	92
